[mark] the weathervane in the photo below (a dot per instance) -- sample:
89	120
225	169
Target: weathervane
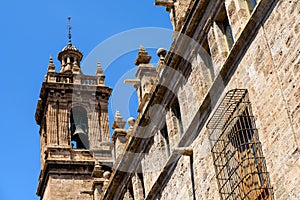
69	29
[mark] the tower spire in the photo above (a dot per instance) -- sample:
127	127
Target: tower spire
69	32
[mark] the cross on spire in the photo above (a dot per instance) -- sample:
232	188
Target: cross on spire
69	30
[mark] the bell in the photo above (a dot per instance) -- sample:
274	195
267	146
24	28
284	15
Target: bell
78	130
81	138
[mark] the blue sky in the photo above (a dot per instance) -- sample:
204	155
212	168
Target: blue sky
33	30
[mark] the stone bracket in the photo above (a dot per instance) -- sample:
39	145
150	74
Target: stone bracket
185	151
166	3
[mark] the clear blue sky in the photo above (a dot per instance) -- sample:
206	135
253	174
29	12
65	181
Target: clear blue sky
33	30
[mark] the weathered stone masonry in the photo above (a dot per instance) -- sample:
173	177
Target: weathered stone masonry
263	57
219	117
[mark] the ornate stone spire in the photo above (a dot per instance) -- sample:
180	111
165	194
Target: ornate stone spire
99	71
118	121
70	56
51	66
146	77
161	53
143	57
99	74
76	68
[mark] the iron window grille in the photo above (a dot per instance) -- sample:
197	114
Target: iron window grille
239	163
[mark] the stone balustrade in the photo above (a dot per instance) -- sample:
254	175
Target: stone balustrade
72	79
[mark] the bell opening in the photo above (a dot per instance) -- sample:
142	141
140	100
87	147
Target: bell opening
79	128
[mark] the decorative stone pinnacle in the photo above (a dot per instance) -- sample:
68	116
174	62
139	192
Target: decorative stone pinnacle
131	121
99	71
51	66
118	114
161	53
118	121
50	59
76	68
143	57
142	48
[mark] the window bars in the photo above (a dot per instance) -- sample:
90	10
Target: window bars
240	167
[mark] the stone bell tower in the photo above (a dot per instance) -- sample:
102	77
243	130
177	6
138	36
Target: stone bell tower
72	113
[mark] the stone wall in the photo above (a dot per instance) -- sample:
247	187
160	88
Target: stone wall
154	161
180	11
264	59
68	187
238	12
269	70
199	169
195	85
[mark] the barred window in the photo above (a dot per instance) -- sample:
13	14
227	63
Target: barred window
239	163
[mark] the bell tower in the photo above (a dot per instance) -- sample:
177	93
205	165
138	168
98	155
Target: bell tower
72	113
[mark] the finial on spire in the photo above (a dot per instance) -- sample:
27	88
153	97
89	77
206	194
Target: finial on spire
69	30
98	64
50	59
143	57
118	121
99	71
142	48
51	66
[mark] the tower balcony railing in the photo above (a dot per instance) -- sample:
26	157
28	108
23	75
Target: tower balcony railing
79	79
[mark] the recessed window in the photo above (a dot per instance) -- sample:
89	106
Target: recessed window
240	166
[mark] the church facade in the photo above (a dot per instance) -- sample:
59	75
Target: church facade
218	116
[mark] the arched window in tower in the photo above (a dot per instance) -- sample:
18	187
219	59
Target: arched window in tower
177	117
79	128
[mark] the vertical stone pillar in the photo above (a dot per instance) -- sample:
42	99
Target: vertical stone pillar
98	182
161	53
43	143
172	125
104	125
94	134
119	135
63	120
128	195
98	188
137	184
147	75
51	123
219	47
